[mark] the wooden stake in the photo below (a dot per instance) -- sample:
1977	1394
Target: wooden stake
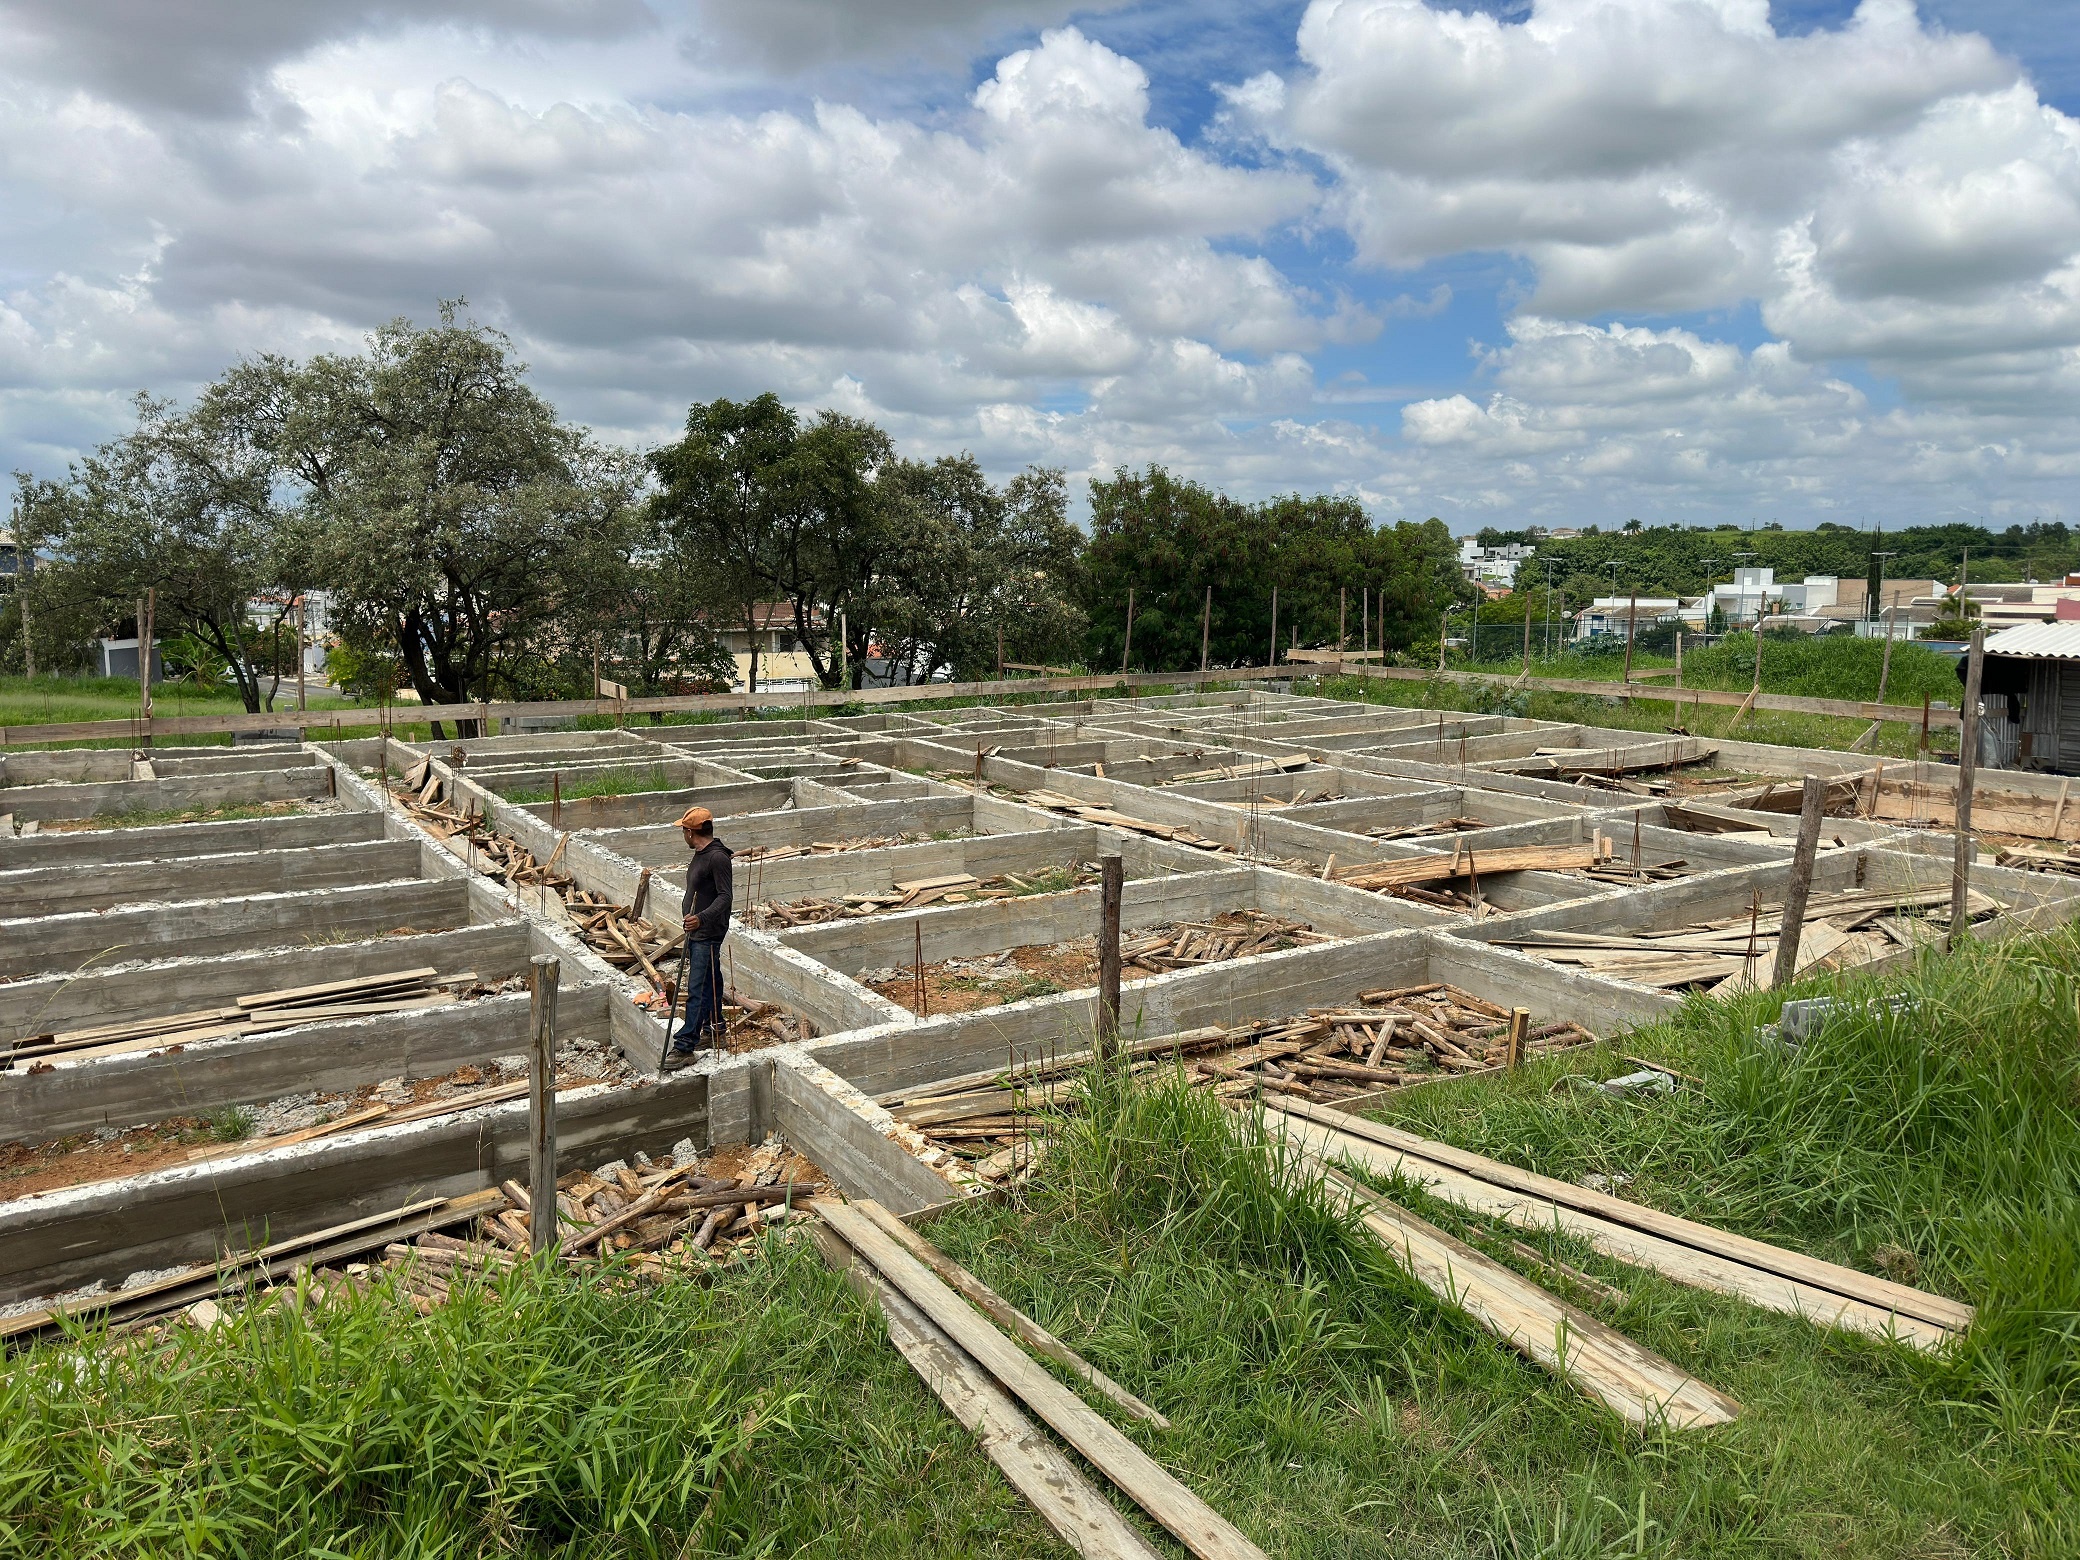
1885	664
1519	1027
1812	807
144	664
556	800
302	633
542	972
1631	623
1967	769
1126	653
1444	628
1206	632
1527	636
923	998
1113	877
635	908
1343	608
1924	723
1679	661
1274	627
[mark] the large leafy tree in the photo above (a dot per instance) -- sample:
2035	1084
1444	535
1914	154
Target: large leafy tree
1171	539
778	510
980	569
185	507
450	506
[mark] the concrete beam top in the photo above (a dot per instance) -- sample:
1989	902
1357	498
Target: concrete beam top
55	890
169	842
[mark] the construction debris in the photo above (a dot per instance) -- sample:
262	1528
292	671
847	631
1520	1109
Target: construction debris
1406	877
952	888
1386	1040
1738	952
835	847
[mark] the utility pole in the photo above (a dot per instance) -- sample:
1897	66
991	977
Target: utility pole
1274	627
1631	623
1206	632
1527	634
1364	621
1444	629
1885	661
1967	768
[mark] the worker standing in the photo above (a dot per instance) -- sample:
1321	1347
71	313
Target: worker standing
705	911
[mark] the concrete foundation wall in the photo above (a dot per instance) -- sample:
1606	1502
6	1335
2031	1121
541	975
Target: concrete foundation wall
195	926
28	891
92	847
96	799
49	1004
335	1057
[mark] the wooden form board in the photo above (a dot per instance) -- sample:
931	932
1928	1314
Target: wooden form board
1831	1292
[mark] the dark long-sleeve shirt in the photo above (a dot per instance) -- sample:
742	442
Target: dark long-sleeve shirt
709	890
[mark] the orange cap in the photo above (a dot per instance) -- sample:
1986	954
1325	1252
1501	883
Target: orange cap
696	818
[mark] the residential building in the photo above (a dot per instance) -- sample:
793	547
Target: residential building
1493	567
2030	697
1609	614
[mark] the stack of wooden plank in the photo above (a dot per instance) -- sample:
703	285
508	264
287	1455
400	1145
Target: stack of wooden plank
1233	934
1415	872
2033	858
1112	818
1385	1040
952	888
1253	770
833	847
380	1113
621	934
1737	952
1665	753
401	992
1409	831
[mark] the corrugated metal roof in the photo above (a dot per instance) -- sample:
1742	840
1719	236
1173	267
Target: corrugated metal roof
2039	641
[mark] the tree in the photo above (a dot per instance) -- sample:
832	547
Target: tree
448	503
977	564
183	506
782	512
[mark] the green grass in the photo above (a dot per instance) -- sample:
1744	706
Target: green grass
608	783
1321	1400
1895	739
1806	666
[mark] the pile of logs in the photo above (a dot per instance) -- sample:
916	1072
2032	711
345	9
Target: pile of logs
403	991
1385	1040
1739	952
952	888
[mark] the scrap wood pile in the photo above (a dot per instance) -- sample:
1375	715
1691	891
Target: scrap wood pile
1385	1040
1738	952
833	847
1112	818
1254	770
403	991
1233	934
1421	877
1409	831
1635	758
952	888
2036	858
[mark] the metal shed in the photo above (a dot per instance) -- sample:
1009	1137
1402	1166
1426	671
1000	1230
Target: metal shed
2036	669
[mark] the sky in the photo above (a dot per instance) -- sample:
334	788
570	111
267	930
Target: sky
1524	262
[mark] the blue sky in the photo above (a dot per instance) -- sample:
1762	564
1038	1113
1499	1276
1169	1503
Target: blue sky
1534	261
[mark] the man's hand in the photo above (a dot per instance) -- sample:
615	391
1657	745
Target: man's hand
692	923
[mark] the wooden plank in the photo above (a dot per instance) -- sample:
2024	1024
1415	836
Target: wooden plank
1461	863
1671	1259
1009	1316
1872	1290
334	987
1635	1383
1195	1524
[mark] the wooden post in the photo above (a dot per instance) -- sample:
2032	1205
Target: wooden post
1274	627
1127	651
1924	723
845	651
1444	627
635	906
1364	621
1113	877
144	663
542	973
1679	663
1967	768
1519	1027
1812	807
924	1001
1000	655
1343	610
1206	632
1631	624
303	634
1527	636
556	800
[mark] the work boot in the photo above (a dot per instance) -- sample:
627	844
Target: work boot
679	1058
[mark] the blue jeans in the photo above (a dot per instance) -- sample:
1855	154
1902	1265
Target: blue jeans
703	995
